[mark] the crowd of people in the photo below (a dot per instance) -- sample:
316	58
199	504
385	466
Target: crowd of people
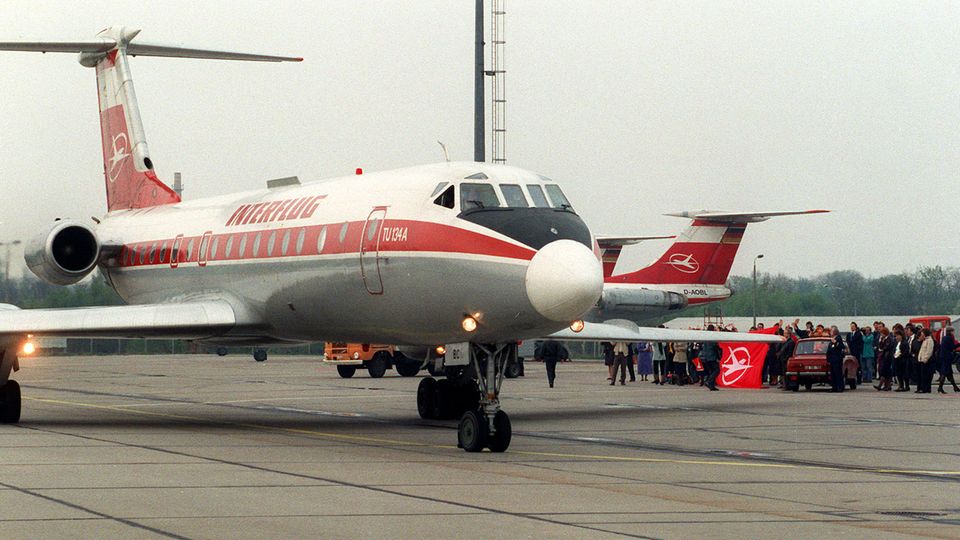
898	358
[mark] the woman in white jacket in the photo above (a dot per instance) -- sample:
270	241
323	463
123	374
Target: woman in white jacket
925	358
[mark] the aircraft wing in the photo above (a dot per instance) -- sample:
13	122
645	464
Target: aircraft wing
620	241
739	217
622	330
188	320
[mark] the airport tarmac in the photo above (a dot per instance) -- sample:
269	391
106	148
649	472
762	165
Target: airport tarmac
209	447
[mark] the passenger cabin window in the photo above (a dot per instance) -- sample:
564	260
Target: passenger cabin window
478	196
446	199
536	194
513	194
558	198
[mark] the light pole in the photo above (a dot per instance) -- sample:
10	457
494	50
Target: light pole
755	259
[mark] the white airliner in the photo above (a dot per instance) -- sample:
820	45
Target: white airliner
469	256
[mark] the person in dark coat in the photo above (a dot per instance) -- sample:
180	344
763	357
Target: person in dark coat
913	367
710	357
948	346
784	352
855	345
885	344
901	363
552	352
835	353
806	332
608	358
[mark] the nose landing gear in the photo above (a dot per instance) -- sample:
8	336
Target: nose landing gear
474	398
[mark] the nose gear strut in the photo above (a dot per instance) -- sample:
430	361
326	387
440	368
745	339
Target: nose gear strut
474	397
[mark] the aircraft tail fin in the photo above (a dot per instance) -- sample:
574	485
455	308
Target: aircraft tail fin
611	246
131	181
704	251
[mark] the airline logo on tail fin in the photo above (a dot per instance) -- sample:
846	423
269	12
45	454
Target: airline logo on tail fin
684	263
704	252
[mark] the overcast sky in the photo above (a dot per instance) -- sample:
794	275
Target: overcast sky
636	108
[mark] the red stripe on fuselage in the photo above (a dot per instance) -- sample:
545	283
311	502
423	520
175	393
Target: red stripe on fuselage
392	236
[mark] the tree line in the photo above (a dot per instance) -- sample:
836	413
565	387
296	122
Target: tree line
931	290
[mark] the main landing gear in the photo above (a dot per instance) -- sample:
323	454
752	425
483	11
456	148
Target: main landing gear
472	393
9	388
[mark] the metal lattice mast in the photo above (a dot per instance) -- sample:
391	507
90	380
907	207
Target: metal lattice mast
499	112
479	116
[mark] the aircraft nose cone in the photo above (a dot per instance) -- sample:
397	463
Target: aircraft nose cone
564	280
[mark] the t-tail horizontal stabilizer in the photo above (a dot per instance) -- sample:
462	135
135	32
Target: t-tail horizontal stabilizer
116	37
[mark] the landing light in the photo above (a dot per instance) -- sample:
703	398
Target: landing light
29	348
577	325
469	324
441	350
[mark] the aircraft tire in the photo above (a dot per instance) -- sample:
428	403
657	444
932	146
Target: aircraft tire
10	402
260	355
346	372
512	371
405	366
427	398
447	403
472	432
499	441
222	351
377	366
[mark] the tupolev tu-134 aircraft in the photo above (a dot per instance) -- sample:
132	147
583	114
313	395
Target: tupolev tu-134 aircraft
470	256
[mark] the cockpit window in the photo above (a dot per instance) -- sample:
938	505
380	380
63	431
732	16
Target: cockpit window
536	193
439	188
477	176
446	199
478	196
558	198
514	196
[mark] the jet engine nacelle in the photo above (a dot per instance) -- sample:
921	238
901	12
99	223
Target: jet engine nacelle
636	301
64	253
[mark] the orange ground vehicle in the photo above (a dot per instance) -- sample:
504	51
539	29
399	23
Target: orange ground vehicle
377	359
935	323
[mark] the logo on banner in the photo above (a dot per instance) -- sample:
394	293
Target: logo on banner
120	155
684	263
736	366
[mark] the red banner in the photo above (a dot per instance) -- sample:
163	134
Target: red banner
742	363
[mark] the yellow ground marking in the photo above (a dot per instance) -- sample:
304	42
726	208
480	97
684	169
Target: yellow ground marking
398	442
266	399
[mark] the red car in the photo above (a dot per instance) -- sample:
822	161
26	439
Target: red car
809	365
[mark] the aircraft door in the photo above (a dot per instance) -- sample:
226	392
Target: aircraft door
370	251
